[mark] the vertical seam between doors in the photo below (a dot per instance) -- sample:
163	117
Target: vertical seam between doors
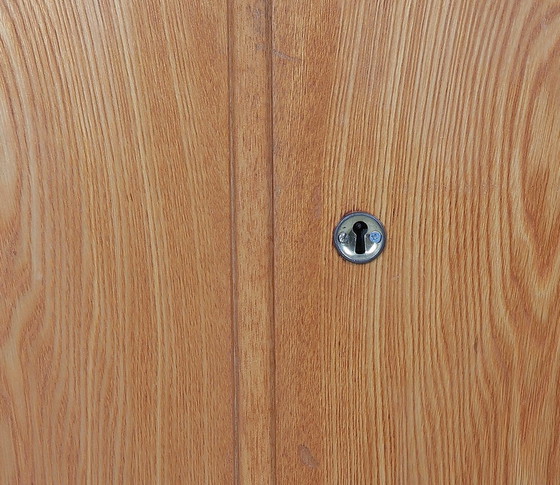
270	67
233	247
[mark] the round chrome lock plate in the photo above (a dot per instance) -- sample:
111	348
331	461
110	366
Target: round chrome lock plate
359	237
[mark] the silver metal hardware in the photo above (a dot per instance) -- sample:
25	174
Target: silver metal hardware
359	237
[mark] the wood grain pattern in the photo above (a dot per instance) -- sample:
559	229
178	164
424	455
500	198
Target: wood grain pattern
251	157
115	335
440	362
136	349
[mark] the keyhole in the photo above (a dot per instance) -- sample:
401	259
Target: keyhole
360	229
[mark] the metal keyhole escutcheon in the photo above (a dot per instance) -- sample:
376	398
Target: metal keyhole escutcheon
359	237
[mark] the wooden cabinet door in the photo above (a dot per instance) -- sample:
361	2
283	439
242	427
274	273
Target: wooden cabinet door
115	335
439	362
172	309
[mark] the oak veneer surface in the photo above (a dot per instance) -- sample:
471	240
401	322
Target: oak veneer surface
115	308
440	361
133	349
251	157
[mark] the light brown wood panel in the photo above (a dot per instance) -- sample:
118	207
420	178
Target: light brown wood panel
115	303
440	361
251	158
